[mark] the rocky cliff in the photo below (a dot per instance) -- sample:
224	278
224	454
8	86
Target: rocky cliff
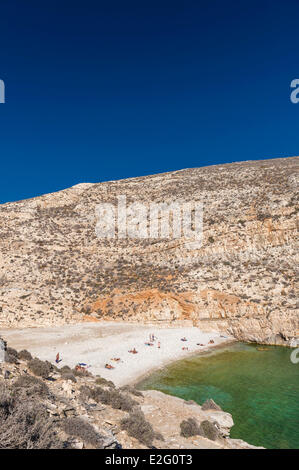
242	279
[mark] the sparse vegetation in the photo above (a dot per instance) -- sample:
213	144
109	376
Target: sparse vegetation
64	369
81	429
24	423
210	405
209	430
24	355
32	386
136	426
12	352
81	372
109	396
251	217
121	401
102	381
267	230
69	376
10	358
114	398
189	427
40	368
132	390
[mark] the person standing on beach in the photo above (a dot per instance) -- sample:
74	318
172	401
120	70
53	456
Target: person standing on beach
159	344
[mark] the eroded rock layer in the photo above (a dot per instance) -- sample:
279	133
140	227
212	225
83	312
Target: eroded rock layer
242	280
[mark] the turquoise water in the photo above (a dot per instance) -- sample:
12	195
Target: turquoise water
259	388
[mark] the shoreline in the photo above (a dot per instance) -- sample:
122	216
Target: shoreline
202	352
95	344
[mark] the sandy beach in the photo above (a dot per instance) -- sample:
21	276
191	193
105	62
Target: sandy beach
96	344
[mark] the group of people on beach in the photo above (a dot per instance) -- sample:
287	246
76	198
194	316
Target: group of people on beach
152	339
151	342
80	367
185	348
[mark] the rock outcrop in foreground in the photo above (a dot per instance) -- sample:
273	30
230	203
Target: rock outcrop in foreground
242	280
46	407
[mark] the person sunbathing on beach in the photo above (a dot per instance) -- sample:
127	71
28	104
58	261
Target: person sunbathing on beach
149	344
211	341
199	344
184	348
184	339
109	366
116	359
133	351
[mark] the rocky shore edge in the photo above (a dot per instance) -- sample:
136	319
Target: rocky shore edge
42	406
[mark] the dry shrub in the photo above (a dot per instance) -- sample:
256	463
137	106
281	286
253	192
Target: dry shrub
77	427
25	423
12	352
114	398
81	373
31	386
110	397
101	395
136	426
40	368
132	390
102	381
189	427
24	355
6	401
65	369
210	405
10	358
85	392
119	401
69	376
209	430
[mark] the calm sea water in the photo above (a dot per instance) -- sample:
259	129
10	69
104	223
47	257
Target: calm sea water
259	388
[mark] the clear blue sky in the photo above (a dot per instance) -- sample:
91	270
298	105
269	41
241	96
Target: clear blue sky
106	90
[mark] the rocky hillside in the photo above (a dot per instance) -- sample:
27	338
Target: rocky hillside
242	280
43	407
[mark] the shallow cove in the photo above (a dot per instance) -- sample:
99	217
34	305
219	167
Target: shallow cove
260	388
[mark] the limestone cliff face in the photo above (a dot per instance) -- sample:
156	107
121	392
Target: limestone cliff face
242	280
